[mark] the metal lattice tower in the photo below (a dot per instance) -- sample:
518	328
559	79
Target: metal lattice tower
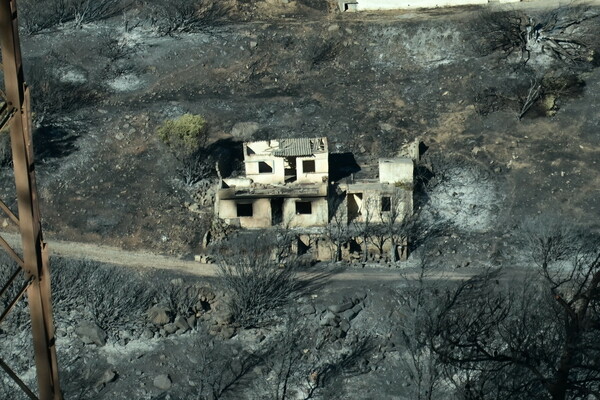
32	274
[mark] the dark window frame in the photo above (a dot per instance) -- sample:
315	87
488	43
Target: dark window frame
386	203
244	210
303	207
264	167
312	166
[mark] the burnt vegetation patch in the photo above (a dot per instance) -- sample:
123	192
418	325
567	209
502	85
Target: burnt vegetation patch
182	16
322	53
40	16
259	275
53	142
526	94
53	95
541	58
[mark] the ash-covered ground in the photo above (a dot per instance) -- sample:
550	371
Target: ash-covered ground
370	83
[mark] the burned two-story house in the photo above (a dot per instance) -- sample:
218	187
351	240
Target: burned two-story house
287	184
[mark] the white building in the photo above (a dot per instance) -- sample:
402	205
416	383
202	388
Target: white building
363	5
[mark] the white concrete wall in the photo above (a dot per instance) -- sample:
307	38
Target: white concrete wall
394	170
237	182
318	217
396	4
321	173
261	213
275	177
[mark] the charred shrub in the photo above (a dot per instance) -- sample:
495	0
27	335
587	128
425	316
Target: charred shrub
180	298
86	11
113	47
52	142
114	298
52	97
504	32
323	52
319	5
223	157
489	101
187	15
40	15
195	167
255	282
530	93
566	84
117	301
220	367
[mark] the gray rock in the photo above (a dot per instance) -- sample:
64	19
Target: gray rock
224	317
227	332
206	294
338	308
182	324
307	309
338	333
126	334
244	130
108	376
191	321
89	333
345	325
147	334
349	314
328	319
170	328
163	382
159	315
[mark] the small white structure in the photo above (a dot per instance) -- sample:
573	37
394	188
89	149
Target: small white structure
361	5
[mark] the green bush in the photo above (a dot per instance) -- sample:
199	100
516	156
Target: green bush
185	134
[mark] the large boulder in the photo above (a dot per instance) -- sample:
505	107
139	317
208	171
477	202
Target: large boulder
90	333
162	382
182	324
159	315
108	376
244	130
328	319
338	308
307	309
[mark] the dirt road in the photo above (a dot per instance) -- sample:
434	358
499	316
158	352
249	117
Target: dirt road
148	260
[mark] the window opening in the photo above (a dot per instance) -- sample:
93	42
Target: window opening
264	168
303	207
308	166
386	203
244	210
